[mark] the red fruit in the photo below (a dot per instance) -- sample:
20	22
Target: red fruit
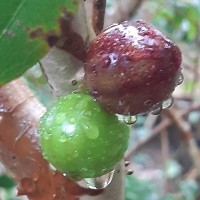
131	68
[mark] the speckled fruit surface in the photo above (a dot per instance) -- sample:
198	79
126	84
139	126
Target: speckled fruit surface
80	139
131	67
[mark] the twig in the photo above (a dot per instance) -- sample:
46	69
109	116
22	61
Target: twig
165	156
185	130
162	125
98	15
182	125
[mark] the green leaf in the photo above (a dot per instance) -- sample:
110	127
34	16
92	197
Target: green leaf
27	30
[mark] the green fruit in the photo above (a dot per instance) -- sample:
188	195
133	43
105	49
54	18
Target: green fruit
80	139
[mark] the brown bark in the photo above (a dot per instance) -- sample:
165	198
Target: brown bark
99	7
122	10
19	150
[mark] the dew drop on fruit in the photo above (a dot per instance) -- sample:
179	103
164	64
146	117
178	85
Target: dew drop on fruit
129	120
113	59
46	135
63	138
49	120
88	113
60	118
148	103
99	182
167	103
91	131
72	120
76	154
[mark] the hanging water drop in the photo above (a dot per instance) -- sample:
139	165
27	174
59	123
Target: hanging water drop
129	119
99	182
179	79
156	109
167	103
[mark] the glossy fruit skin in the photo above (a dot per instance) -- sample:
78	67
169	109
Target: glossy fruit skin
130	67
80	139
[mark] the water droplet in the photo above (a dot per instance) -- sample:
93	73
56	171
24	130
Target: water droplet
148	103
52	168
60	118
18	23
72	120
63	138
89	153
129	172
8	33
94	92
179	79
68	129
74	82
3	109
113	59
99	182
49	120
76	153
156	109
91	130
121	103
167	103
129	119
46	135
88	113
61	68
127	163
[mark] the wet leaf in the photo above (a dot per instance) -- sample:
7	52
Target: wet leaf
27	30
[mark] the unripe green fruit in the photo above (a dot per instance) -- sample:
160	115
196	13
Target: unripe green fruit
80	139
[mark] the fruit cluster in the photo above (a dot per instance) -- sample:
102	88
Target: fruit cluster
130	68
